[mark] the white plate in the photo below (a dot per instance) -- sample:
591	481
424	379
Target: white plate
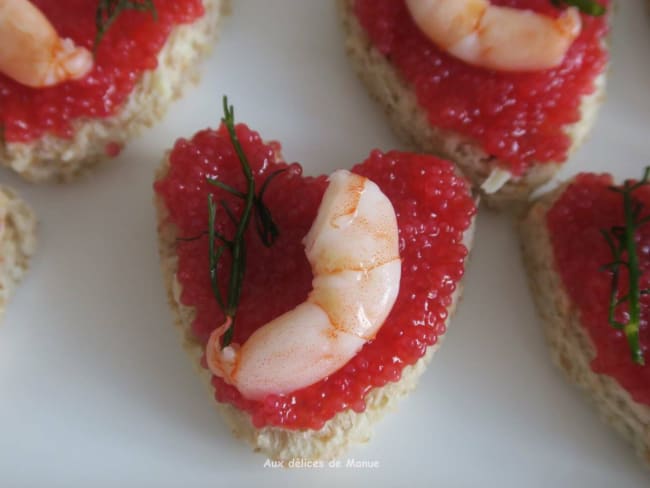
97	391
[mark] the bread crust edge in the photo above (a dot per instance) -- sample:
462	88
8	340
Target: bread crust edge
17	242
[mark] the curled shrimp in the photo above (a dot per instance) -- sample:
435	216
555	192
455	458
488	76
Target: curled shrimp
353	250
32	52
494	37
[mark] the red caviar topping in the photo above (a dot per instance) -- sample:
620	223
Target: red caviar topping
575	223
113	149
128	49
433	210
517	117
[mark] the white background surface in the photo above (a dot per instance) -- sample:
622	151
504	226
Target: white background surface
96	390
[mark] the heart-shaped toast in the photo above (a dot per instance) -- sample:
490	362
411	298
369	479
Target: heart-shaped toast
586	248
509	132
17	242
144	55
434	210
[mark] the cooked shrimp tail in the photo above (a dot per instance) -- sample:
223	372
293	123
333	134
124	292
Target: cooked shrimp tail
223	364
32	52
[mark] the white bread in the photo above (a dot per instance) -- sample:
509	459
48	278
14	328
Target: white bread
346	428
52	158
571	348
410	123
17	242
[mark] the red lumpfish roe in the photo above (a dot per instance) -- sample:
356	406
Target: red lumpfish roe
575	224
433	208
130	48
517	117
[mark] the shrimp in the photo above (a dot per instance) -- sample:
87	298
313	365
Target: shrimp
32	52
353	250
494	37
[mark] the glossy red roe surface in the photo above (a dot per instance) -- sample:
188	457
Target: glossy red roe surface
129	48
574	222
433	211
517	117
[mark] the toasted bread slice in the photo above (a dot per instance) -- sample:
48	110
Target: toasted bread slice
346	428
17	242
571	348
52	158
410	122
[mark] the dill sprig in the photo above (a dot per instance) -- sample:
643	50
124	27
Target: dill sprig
219	244
589	7
109	10
622	243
